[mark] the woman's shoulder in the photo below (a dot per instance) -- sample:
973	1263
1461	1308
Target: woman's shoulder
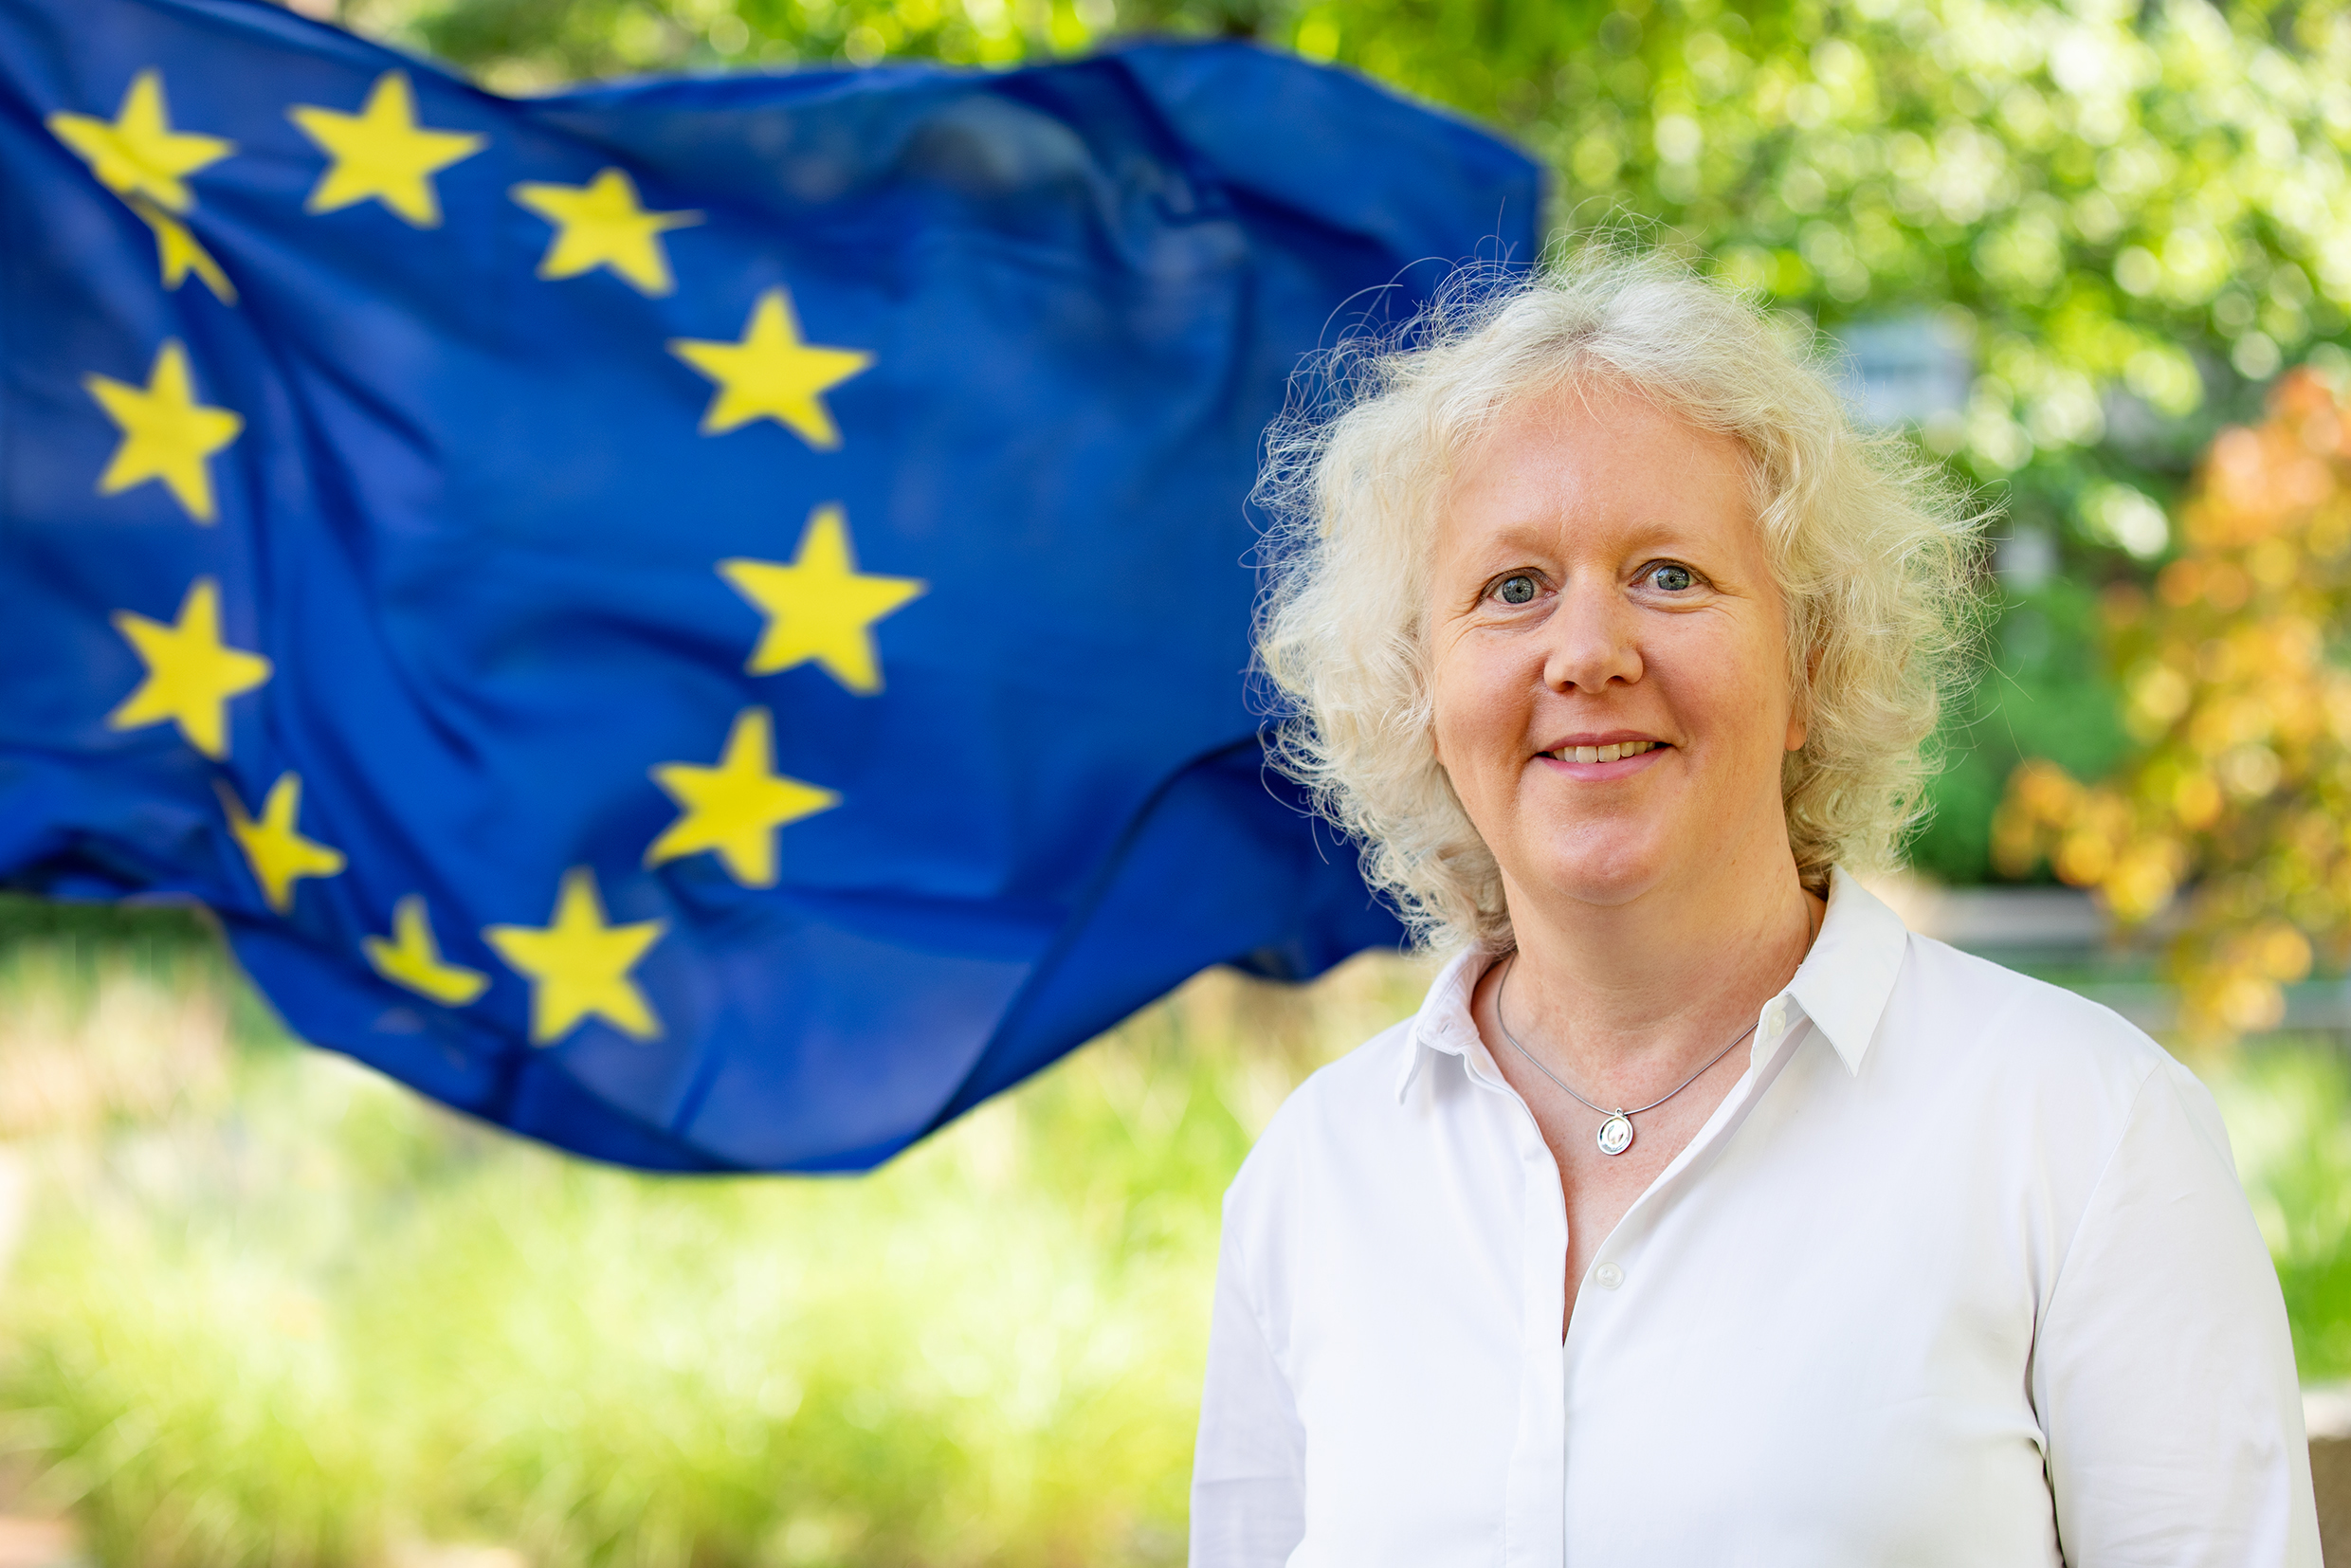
2032	1043
1338	1095
1948	989
1341	1116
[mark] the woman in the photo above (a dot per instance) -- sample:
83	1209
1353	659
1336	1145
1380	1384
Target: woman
1701	1214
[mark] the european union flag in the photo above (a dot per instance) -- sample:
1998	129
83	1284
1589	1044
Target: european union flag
705	621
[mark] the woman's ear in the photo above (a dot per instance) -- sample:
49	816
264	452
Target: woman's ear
1799	725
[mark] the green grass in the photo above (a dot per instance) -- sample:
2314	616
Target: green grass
265	1309
2288	1108
273	1310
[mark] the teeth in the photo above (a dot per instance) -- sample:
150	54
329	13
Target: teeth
1605	753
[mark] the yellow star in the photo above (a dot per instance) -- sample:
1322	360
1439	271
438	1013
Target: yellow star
178	253
413	959
381	152
578	965
736	806
166	433
600	223
771	373
278	853
138	153
190	676
820	607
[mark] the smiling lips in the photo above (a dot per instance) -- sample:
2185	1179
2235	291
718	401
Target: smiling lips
1604	754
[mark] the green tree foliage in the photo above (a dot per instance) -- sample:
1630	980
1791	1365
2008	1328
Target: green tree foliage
2122	218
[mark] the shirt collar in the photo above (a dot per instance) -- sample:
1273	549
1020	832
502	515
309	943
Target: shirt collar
1442	1023
1844	981
1842	985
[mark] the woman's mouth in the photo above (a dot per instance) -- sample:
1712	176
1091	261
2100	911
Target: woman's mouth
1603	753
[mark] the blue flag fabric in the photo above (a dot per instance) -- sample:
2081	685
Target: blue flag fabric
703	621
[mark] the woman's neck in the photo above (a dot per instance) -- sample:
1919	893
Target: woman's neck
1625	991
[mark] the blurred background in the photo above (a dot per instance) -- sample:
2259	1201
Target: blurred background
258	1306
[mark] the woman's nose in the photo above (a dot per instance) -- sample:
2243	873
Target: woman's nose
1591	639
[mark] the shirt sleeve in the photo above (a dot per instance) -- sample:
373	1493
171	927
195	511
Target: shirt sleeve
1248	1504
2162	1369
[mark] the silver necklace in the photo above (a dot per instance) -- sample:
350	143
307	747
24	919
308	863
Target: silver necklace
1616	1131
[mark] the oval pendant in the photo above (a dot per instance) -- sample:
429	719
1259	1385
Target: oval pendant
1617	1134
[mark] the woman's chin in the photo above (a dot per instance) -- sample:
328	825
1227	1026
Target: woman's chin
1612	873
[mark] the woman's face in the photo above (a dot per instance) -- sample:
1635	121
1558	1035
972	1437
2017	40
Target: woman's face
1600	582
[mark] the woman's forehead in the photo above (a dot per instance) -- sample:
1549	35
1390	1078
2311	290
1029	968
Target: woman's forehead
1571	465
1596	419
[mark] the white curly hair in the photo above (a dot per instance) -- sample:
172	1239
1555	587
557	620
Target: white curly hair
1874	550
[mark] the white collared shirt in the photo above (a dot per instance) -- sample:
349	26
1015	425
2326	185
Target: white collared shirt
1959	1272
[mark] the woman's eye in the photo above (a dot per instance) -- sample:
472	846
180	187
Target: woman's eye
1515	590
1673	580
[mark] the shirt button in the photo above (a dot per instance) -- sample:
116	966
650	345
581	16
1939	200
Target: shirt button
1776	1016
1608	1276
